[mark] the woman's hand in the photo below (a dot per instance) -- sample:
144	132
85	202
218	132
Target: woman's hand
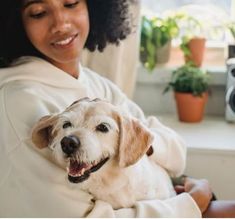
199	189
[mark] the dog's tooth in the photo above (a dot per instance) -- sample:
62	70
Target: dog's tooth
67	169
83	171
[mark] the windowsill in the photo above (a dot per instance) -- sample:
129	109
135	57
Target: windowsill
161	74
212	134
214	62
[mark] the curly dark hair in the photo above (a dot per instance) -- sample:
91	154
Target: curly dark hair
110	22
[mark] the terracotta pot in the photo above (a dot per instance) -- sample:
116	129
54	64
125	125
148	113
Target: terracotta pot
190	108
197	49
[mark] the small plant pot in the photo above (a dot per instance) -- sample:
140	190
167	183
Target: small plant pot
163	53
197	50
190	108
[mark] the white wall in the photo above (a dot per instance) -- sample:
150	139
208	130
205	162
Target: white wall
216	166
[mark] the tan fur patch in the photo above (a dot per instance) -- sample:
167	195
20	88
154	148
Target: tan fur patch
134	142
42	132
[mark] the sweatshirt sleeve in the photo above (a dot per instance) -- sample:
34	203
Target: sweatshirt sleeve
167	143
171	207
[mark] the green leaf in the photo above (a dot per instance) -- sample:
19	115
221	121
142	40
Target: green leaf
155	33
189	79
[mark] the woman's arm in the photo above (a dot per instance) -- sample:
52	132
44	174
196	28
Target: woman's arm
220	209
171	207
169	148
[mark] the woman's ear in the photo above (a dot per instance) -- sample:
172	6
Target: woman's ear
134	141
42	131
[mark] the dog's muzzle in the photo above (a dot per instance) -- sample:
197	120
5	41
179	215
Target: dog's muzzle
78	171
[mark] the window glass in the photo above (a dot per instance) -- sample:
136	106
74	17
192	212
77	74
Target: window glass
213	14
161	5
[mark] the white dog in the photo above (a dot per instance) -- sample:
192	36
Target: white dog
105	151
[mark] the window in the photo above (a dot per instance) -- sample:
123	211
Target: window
214	16
160	6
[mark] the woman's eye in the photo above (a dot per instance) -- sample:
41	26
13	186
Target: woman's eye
67	125
71	5
38	15
102	128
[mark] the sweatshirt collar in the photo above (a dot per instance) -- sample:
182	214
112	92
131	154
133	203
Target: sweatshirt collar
37	69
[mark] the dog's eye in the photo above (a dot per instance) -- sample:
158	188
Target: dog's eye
67	125
102	128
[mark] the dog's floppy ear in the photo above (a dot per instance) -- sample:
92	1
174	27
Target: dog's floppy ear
80	100
135	141
41	133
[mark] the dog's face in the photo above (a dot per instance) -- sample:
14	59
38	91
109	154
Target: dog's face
88	134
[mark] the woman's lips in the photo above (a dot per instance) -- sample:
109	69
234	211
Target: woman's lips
65	43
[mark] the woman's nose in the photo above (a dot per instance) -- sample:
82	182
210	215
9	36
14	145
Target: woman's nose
60	23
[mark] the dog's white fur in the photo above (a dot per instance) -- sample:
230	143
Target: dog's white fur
129	174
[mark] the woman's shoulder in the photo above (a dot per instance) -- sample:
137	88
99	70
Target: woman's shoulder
22	69
17	112
21	106
18	99
20	91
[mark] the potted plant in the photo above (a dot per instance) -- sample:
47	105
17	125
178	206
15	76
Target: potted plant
156	36
190	85
192	41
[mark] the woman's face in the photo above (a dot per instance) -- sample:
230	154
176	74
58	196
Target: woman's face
57	28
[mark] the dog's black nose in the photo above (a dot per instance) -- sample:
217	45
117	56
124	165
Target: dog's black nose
70	144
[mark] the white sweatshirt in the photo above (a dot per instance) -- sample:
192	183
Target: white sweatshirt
31	184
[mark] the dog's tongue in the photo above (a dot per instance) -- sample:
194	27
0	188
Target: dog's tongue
76	168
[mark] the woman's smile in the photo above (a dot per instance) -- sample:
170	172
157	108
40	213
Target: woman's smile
65	42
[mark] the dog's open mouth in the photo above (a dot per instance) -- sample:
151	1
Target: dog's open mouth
79	172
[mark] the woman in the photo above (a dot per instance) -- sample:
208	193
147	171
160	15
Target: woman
41	42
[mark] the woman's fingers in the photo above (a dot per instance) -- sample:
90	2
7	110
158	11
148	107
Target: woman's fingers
179	189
